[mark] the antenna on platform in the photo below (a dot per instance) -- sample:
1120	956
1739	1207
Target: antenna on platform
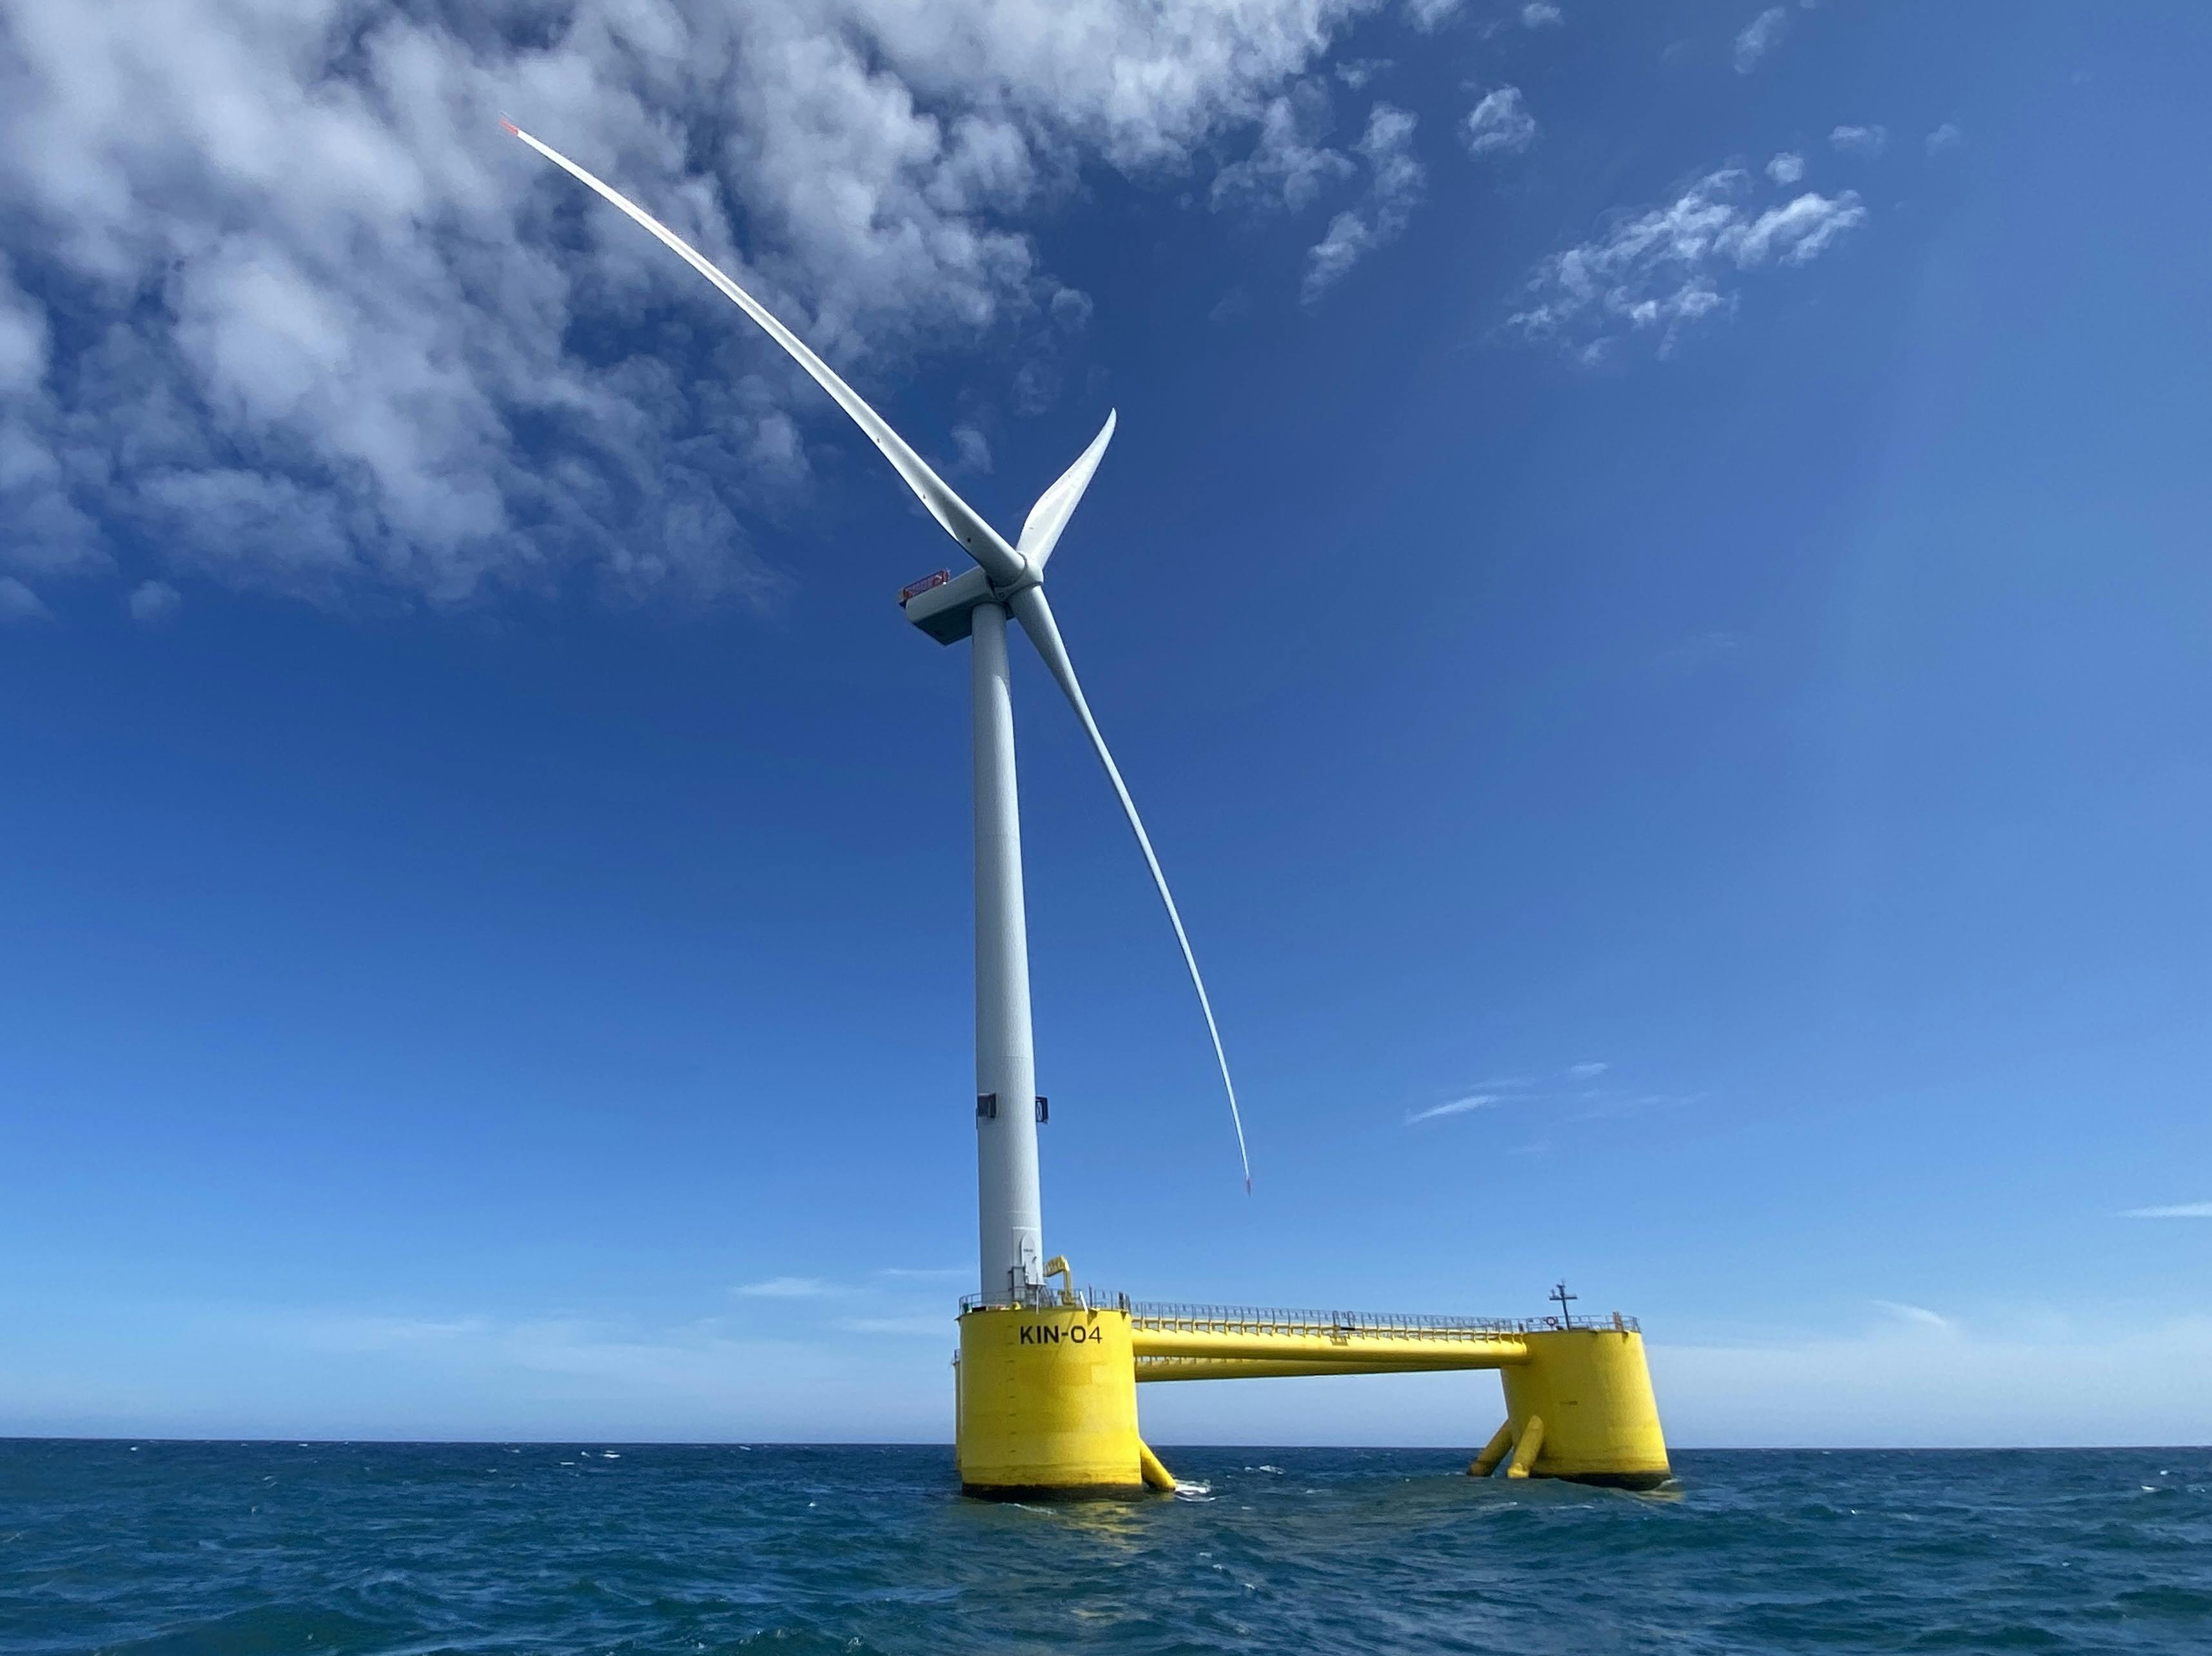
1559	1292
1007	580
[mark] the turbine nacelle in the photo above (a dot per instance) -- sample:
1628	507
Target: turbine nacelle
945	608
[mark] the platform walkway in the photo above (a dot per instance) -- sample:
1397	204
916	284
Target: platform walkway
1181	1342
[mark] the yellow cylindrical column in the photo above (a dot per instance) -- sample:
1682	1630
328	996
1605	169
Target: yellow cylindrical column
1047	1403
1592	1389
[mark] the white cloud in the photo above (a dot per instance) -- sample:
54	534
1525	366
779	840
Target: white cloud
1288	166
1943	139
972	449
790	1288
19	602
154	601
1787	167
2179	1210
1071	308
1429	15
1395	180
1577	1094
1760	36
344	339
925	1273
1457	1107
1541	14
1654	273
1919	1315
1798	232
1501	123
1860	139
1348	239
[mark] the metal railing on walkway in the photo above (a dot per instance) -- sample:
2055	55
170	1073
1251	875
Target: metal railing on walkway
1170	1316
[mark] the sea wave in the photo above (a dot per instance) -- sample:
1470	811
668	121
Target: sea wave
163	1549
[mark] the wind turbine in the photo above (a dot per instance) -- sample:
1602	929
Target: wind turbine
1007	580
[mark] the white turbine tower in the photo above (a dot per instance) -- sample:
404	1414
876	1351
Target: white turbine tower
1006	579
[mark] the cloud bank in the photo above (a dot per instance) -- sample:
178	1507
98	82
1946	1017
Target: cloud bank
290	313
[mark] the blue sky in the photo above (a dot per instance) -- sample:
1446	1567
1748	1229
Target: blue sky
1652	587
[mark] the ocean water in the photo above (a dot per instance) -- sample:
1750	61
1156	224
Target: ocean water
410	1549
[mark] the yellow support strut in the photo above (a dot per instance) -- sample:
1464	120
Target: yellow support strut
1485	1463
1526	1448
1156	1477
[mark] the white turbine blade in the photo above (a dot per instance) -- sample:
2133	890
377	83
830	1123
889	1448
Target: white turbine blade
960	519
1035	615
1041	530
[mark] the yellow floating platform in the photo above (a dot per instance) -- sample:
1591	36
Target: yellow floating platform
1046	1391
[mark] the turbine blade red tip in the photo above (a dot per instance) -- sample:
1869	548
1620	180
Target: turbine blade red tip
510	126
